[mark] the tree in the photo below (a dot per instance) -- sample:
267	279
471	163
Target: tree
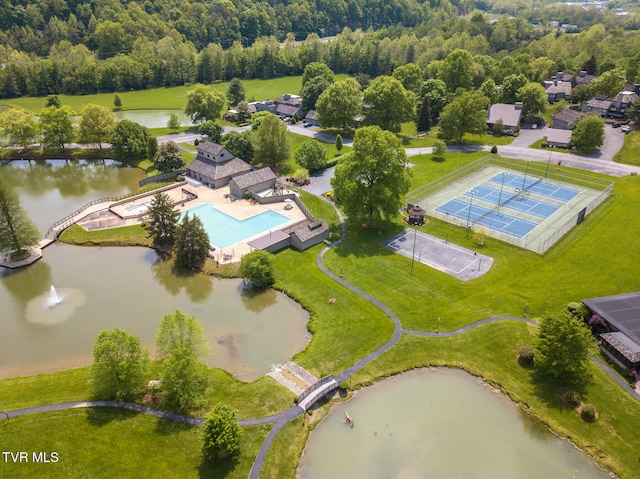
56	126
204	103
590	65
152	147
221	433
458	70
372	180
534	99
244	113
168	157
174	122
339	104
257	267
388	103
21	127
633	112
410	75
510	86
610	83
178	331
96	124
239	144
490	90
315	70
582	93
436	90
272	145
439	148
312	155
312	91
53	100
236	92
117	102
423	121
161	219
466	114
588	135
191	243
184	380
211	129
339	142
131	139
562	346
17	231
119	365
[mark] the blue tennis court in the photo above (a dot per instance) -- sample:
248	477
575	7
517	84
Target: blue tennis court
517	201
491	218
535	186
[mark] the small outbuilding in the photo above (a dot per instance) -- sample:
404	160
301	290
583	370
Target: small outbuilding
254	181
415	215
559	138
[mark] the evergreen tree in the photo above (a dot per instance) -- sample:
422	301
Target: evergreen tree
17	231
423	123
236	92
339	142
590	66
117	102
174	122
191	244
161	219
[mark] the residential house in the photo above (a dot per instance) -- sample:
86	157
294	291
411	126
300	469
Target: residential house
599	105
510	115
254	181
311	118
621	102
567	119
557	90
559	138
289	105
621	313
214	165
583	78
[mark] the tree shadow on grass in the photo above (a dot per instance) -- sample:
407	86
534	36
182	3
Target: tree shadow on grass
550	389
218	469
365	241
166	427
102	416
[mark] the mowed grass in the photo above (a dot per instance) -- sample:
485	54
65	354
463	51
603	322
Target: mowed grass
628	154
410	138
517	278
107	443
165	98
290	165
491	351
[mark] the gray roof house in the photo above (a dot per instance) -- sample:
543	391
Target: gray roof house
557	90
599	105
621	102
509	114
567	119
214	165
622	315
311	118
254	181
559	138
583	78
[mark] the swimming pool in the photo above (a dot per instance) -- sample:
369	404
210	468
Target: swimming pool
225	230
139	208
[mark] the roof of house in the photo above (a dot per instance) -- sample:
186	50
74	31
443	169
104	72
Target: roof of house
208	146
583	78
310	229
311	115
622	343
621	311
626	97
556	135
274	237
509	114
598	103
568	115
254	177
215	170
288	99
559	87
288	110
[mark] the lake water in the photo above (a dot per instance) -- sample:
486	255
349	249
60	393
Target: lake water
152	118
442	424
129	288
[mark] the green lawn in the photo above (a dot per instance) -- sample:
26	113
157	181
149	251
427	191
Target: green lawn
410	138
629	152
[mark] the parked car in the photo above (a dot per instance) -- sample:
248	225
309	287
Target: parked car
616	124
626	129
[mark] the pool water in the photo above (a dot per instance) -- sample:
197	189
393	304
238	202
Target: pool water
225	230
139	208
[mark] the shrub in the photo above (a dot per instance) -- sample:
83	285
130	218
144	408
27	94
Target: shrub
633	375
344	385
494	149
589	413
301	175
526	355
196	142
573	398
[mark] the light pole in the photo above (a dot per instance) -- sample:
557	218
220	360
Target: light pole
471	192
548	162
413	256
438	326
524	181
504	174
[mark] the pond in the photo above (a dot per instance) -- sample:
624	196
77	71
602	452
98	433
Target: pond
441	424
152	118
128	288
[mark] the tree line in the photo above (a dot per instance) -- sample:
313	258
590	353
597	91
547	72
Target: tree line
169	57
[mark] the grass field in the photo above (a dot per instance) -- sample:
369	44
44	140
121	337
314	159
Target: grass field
628	154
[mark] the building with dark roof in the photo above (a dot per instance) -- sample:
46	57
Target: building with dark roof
254	181
567	119
557	90
621	103
510	115
214	165
598	105
559	138
621	313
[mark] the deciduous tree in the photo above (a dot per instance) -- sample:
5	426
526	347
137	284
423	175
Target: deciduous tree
56	126
221	433
174	122
372	180
21	127
339	104
257	267
388	104
411	77
312	155
457	70
119	365
510	86
211	129
272	145
179	331
184	380
161	219
130	139
239	144
562	346
96	124
465	114
610	83
191	243
17	230
204	103
534	99
314	70
168	157
588	135
312	91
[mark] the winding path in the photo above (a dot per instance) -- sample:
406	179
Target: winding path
280	420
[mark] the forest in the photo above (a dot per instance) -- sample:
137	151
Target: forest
76	47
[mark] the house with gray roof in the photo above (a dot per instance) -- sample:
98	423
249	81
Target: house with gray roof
510	115
311	118
557	90
255	181
214	165
567	119
599	105
621	103
559	138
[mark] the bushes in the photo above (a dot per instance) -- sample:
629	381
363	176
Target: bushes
573	398
589	413
494	149
526	355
